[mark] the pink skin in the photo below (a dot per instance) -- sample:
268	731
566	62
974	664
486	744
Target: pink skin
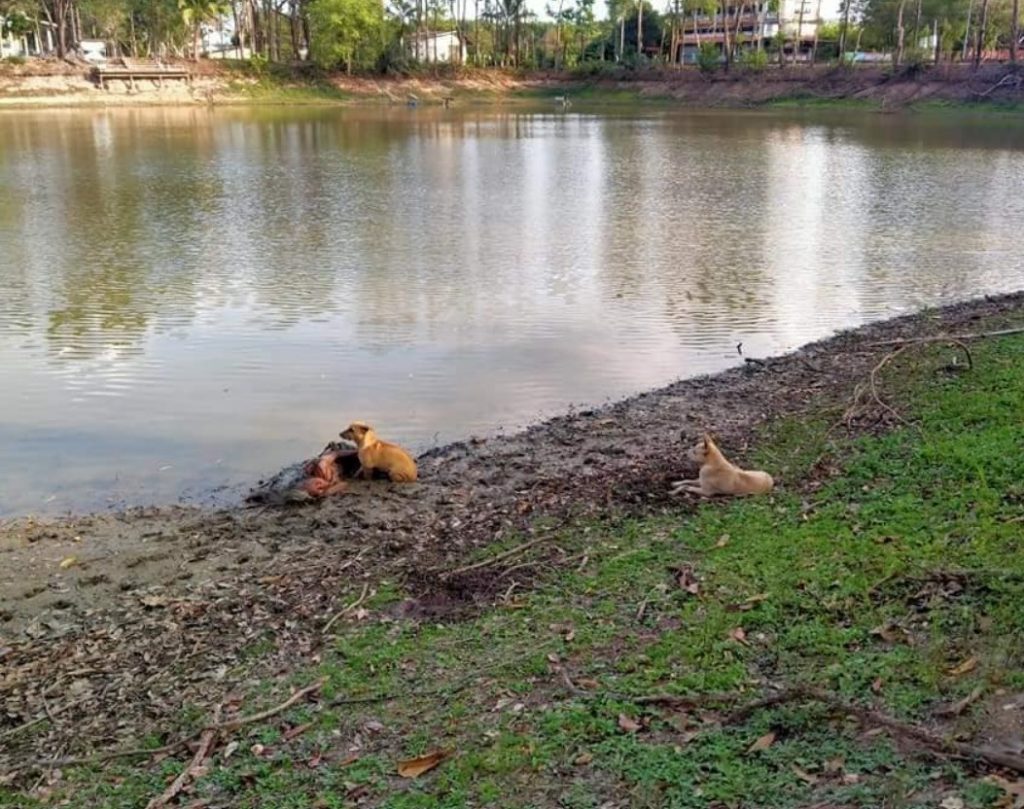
323	479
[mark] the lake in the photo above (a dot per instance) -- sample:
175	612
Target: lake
191	299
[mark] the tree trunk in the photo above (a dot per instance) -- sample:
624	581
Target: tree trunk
1014	31
938	41
639	29
981	31
799	29
817	26
60	12
967	32
622	39
726	45
898	57
916	39
844	26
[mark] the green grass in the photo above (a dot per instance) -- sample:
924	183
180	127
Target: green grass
830	564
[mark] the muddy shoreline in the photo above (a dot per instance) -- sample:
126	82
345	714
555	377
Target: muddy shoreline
57	84
134	614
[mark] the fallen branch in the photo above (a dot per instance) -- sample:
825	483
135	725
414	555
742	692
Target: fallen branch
48	714
499	557
347	609
302	693
954	338
872	381
869	716
206	740
218	727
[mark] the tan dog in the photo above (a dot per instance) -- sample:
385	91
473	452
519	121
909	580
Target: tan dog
718	476
377	454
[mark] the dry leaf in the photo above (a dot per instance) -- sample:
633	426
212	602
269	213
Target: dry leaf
67	562
952	802
627	724
739	635
415	767
747	605
723	540
961	705
1012	788
970	664
586	682
153	601
804	776
582	759
834	765
570	636
876	685
763	743
891	633
687	579
298	730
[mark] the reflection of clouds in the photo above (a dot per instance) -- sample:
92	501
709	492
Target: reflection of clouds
238	284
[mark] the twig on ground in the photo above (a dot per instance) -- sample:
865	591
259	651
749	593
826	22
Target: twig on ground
346	609
206	741
48	714
949	338
872	380
499	557
573	688
302	693
932	741
962	705
232	724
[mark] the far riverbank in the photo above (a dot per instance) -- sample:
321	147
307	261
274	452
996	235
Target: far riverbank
59	84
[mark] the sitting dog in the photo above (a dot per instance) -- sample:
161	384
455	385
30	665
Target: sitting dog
375	454
718	476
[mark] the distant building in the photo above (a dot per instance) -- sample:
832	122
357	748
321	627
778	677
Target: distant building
39	41
798	20
437	47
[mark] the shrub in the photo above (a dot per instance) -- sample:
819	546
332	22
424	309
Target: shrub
708	58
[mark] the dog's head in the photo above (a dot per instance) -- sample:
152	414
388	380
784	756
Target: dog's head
700	451
356	430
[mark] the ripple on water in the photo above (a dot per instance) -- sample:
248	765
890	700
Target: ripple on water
195	298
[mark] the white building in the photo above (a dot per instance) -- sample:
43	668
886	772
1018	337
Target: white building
798	19
437	47
36	42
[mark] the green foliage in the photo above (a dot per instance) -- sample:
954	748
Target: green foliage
708	58
347	33
753	60
16	24
916	532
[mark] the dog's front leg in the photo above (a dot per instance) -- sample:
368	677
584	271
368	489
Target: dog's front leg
686	485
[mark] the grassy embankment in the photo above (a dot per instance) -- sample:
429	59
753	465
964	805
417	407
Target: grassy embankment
892	580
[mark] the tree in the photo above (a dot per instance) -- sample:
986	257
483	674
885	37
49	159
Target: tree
1014	30
196	12
346	32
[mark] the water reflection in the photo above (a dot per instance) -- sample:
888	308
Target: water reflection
195	297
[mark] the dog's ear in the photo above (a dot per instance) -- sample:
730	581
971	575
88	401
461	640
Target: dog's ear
706	440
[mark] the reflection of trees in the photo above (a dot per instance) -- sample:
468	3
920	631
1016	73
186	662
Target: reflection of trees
686	212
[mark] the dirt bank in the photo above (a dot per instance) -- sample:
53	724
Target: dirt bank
54	83
113	624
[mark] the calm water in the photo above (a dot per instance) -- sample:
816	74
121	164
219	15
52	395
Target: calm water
192	298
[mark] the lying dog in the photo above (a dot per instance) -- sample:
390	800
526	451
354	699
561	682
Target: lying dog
718	476
322	478
375	454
